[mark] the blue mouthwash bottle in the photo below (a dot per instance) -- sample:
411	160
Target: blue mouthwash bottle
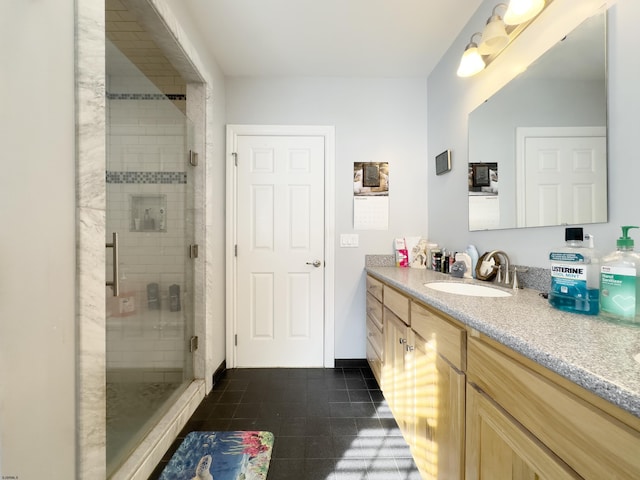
573	287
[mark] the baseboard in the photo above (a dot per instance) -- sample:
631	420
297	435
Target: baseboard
351	363
219	373
339	363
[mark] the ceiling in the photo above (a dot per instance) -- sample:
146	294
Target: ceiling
352	38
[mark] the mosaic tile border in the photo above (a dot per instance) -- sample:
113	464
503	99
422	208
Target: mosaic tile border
169	178
146	96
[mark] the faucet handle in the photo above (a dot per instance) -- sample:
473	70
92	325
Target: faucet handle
515	281
507	276
499	274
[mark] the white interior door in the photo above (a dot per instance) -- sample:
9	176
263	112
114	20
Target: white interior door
564	177
280	251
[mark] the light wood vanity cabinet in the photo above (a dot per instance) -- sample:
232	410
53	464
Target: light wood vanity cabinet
525	419
397	376
375	340
498	447
472	408
439	394
423	382
396	368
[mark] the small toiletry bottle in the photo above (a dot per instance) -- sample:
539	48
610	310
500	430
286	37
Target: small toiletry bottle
162	220
573	289
437	260
444	261
431	247
472	251
174	298
153	296
466	259
619	282
593	273
402	255
146	220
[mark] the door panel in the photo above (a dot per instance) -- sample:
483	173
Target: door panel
280	234
566	180
150	195
499	447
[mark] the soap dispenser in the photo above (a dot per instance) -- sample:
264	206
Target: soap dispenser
619	282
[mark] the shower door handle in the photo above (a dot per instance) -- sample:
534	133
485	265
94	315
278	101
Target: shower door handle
114	284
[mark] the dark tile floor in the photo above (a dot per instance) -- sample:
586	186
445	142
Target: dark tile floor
329	424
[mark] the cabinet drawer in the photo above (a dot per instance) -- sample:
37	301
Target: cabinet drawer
375	362
374	287
374	335
448	339
397	303
590	441
374	310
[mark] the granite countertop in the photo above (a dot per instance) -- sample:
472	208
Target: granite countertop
596	354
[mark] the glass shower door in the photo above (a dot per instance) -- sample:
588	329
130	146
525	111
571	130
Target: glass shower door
149	199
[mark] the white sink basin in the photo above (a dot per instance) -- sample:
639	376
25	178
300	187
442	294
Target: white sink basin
470	289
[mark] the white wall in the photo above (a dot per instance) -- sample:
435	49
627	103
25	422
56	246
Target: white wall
376	120
452	98
38	332
37	243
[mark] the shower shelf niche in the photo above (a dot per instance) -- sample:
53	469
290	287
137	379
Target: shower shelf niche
148	213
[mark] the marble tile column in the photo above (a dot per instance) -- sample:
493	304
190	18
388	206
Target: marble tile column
90	234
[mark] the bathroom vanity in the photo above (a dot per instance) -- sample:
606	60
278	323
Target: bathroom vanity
507	387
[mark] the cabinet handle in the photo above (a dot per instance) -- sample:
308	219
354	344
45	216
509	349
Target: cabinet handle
403	341
410	348
114	284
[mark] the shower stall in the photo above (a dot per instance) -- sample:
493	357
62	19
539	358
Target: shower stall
150	229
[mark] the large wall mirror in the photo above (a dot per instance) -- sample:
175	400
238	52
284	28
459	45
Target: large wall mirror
537	148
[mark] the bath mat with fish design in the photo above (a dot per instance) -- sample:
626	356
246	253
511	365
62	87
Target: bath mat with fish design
239	455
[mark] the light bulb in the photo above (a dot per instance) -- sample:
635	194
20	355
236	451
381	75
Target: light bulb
494	37
520	11
471	61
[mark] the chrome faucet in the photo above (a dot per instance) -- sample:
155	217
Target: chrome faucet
501	279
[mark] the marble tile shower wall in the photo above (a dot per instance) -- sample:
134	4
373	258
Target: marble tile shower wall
146	149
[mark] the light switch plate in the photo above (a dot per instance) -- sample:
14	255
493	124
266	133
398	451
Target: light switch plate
349	240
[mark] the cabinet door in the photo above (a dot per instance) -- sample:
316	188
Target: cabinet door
499	447
397	383
438	443
592	442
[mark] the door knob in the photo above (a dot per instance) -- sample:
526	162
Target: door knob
315	263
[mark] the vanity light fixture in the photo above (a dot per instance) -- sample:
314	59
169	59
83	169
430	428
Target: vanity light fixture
471	61
521	11
497	34
494	35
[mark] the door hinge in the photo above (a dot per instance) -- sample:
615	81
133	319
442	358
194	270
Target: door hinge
235	250
193	158
193	344
193	251
235	340
235	158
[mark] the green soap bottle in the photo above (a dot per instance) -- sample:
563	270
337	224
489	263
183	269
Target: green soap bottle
620	282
